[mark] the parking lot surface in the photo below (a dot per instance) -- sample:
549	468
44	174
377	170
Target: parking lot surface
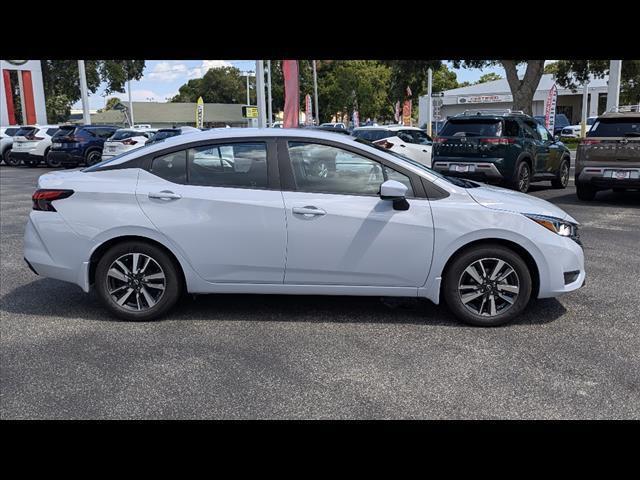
247	357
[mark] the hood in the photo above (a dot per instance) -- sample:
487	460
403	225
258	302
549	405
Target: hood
498	198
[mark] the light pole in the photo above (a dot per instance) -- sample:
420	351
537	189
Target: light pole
262	114
583	123
315	92
269	101
130	104
84	93
248	74
429	101
613	92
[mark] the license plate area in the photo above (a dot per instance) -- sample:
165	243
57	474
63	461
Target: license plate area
461	168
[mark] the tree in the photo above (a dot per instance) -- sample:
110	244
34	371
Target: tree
62	81
521	89
218	85
574	73
111	103
551	68
488	77
444	79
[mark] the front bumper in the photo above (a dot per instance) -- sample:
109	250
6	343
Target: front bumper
562	256
481	170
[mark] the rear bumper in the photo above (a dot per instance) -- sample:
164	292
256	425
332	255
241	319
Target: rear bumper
26	156
481	170
604	177
66	158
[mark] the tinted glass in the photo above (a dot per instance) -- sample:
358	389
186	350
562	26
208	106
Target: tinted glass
64	131
164	134
124	134
372	135
232	165
52	131
531	129
25	131
11	131
472	128
171	167
421	137
326	169
511	128
615	127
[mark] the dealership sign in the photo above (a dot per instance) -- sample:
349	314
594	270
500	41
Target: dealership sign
485	99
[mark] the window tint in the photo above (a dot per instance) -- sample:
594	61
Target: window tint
326	169
372	135
531	129
472	128
232	165
421	137
64	131
51	131
511	128
124	134
543	133
11	131
615	127
25	131
171	167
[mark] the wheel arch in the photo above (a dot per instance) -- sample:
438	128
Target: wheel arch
517	248
99	251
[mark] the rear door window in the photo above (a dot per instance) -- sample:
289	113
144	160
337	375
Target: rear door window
511	128
615	127
242	165
472	128
171	167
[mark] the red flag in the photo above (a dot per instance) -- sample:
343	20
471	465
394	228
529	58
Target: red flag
291	94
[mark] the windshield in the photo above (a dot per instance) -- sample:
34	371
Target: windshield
460	182
615	127
472	128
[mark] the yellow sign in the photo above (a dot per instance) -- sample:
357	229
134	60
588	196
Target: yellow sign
249	111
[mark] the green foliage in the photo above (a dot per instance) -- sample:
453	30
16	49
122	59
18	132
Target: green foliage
218	85
573	73
489	77
62	81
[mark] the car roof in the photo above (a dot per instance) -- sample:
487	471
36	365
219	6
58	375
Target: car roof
620	115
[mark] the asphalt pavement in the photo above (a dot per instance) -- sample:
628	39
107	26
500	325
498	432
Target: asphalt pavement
278	357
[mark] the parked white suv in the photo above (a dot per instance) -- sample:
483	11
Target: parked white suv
247	211
31	145
6	142
574	131
411	142
126	139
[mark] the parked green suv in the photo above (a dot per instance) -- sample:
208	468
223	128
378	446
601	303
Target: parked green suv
503	147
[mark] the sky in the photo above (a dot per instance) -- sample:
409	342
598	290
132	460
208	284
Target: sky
163	78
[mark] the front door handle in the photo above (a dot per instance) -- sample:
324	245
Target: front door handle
165	195
308	211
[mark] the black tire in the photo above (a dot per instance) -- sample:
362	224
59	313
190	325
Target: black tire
11	160
522	179
562	179
619	190
169	295
585	192
51	163
31	163
93	157
489	253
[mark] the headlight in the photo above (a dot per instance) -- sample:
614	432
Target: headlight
556	225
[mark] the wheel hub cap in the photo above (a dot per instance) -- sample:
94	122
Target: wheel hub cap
488	287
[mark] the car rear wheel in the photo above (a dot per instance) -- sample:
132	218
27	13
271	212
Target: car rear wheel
487	286
562	180
31	163
11	160
522	179
585	192
137	281
50	161
93	157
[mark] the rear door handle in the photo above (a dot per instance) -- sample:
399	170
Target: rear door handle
308	211
165	195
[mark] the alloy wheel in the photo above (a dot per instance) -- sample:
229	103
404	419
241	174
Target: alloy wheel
489	287
523	179
136	282
564	174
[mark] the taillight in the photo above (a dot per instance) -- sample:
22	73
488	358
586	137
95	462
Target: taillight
440	140
498	140
128	141
588	141
384	144
42	198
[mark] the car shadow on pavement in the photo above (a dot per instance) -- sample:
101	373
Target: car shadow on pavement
52	298
604	198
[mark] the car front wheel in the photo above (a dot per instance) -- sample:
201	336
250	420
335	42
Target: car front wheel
487	286
137	281
93	157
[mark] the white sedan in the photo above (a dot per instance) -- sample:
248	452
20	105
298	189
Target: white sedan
411	142
249	211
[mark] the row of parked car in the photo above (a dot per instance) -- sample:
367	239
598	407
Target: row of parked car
73	145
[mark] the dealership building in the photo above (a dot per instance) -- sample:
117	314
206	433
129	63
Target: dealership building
21	93
497	94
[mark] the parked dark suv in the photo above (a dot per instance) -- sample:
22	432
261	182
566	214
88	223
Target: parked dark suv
609	157
508	148
76	145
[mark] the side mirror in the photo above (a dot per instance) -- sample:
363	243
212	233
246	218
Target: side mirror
556	138
396	192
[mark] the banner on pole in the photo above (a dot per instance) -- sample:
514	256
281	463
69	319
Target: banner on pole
291	94
550	109
308	112
406	113
356	119
200	113
396	114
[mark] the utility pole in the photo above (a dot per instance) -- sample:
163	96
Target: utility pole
429	100
84	92
585	97
315	92
613	93
130	104
262	114
269	102
248	97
